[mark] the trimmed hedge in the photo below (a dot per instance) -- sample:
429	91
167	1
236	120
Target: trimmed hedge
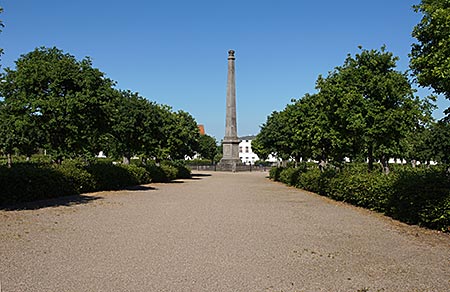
78	177
413	195
29	181
113	177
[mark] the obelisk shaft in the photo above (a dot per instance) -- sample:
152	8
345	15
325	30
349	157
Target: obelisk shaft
230	125
231	141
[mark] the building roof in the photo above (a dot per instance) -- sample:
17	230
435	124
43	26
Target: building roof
250	137
201	128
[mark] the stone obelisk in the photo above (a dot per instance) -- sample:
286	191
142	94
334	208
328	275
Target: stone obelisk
231	141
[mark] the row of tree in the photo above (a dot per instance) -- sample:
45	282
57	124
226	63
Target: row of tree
53	101
367	110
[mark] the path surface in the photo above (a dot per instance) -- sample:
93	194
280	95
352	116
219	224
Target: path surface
225	232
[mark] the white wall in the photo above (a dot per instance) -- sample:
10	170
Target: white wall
247	155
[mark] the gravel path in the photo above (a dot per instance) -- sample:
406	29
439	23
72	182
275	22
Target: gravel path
224	232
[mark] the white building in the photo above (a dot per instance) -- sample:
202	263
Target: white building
246	153
245	150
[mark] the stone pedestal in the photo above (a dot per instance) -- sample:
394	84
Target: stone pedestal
231	140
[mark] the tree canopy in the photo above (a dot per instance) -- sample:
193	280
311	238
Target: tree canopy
135	127
62	98
181	135
55	102
1	26
430	56
363	109
208	147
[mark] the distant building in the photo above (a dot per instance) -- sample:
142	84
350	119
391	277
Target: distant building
246	153
201	128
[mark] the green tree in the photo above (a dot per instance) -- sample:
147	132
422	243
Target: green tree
181	135
440	141
371	106
135	127
294	133
207	147
313	136
62	97
363	109
274	137
259	148
18	133
430	57
1	26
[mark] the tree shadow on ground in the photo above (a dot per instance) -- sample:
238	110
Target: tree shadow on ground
175	181
67	200
199	175
54	202
140	188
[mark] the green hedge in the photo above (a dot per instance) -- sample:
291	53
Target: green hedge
421	196
29	181
113	177
275	172
412	195
78	177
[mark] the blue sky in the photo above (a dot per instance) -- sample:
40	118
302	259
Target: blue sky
174	52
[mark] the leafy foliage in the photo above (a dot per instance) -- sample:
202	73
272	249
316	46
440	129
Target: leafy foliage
29	181
413	195
421	196
364	108
439	141
1	26
56	102
208	147
182	171
53	101
181	135
135	127
430	61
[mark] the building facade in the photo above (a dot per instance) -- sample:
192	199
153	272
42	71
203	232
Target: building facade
246	153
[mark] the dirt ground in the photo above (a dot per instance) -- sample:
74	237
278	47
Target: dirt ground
215	232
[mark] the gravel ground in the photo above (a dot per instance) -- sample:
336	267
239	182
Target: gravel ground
224	232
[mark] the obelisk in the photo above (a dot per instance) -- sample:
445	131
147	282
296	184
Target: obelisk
231	141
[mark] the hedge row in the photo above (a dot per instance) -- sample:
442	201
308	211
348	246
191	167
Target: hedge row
34	181
413	195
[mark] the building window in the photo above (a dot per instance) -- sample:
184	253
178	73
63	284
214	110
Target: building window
246	149
240	149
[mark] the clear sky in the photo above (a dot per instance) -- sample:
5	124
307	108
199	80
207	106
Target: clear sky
174	52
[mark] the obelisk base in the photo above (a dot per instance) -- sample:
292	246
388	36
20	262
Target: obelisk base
230	159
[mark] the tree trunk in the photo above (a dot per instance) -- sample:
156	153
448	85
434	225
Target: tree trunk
370	157
9	160
322	165
126	159
385	164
